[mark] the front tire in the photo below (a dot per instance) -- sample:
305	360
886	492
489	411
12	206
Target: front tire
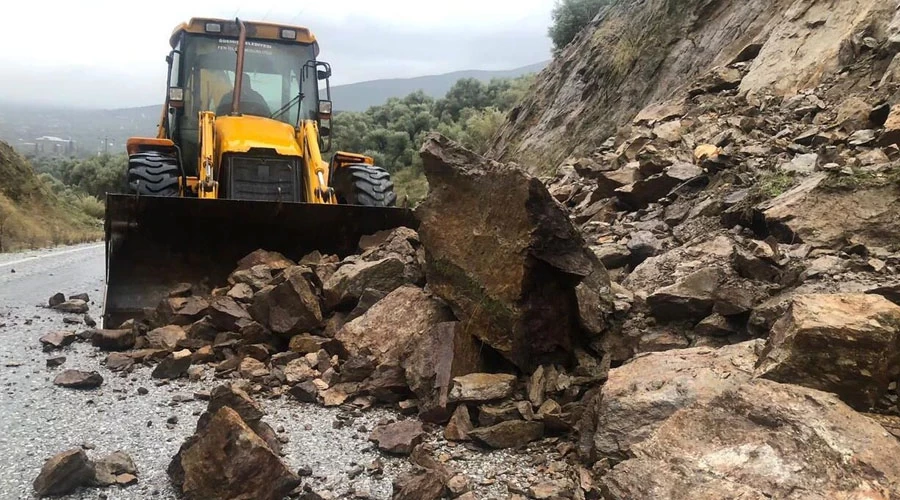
366	185
152	174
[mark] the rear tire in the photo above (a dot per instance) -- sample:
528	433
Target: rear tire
366	185
152	174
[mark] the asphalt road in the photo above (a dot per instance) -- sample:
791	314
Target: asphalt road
38	419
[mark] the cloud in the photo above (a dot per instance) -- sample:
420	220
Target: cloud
108	57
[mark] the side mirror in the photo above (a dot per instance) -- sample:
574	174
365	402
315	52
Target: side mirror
325	109
323	74
325	131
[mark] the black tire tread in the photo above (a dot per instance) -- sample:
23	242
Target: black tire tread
152	174
365	185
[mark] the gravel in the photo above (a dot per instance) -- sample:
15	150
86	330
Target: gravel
149	419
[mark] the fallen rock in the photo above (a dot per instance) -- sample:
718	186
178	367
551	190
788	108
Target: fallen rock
482	387
117	362
290	307
460	425
64	473
238	400
57	340
166	337
734	444
113	340
272	260
306	343
805	214
510	434
227	460
398	438
649	190
76	306
348	283
847	344
420	484
502	252
173	366
55	361
108	469
641	394
56	299
225	314
385	330
77	379
691	297
443	352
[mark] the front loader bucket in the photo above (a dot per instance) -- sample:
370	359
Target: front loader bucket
154	243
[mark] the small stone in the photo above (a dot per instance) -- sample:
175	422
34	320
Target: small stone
77	379
55	361
142	391
481	387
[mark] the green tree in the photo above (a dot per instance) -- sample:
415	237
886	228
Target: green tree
570	17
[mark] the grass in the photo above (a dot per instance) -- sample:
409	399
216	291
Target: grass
33	216
773	184
861	179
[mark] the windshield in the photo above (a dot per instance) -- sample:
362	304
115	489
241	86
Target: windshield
273	76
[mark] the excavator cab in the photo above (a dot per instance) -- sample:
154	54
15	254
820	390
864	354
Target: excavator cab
237	164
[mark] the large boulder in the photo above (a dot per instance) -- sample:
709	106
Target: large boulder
642	394
385	330
445	351
762	440
848	344
503	253
227	460
291	306
870	214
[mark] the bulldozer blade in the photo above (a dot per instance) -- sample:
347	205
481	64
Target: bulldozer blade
155	243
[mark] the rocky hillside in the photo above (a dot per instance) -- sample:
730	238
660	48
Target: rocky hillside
31	215
635	53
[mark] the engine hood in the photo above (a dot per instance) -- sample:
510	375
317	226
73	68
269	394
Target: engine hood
240	134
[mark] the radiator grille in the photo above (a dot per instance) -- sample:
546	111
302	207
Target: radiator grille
263	179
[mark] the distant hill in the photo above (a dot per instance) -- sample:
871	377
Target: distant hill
21	125
363	95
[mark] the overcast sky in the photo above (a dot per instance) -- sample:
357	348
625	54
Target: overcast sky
101	53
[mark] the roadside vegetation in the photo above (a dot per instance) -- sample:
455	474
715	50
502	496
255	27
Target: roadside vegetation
38	211
392	133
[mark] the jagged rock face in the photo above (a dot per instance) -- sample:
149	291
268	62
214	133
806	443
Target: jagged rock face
637	53
848	344
735	444
503	254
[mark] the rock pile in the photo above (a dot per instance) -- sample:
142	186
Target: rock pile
488	323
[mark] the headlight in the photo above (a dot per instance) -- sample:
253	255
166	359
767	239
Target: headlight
289	34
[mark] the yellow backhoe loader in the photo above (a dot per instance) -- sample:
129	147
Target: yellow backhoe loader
236	165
